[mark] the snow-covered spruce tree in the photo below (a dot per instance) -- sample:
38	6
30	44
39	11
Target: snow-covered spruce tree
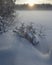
6	11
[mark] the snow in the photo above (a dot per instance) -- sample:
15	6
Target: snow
15	50
18	51
36	38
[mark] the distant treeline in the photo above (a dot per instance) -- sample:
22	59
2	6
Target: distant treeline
35	7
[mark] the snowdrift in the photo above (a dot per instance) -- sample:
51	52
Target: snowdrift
18	51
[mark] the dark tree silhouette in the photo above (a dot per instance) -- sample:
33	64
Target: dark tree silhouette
6	7
6	12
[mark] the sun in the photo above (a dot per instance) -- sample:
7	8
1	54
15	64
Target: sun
31	4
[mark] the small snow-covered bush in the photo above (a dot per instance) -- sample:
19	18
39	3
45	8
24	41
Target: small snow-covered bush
29	32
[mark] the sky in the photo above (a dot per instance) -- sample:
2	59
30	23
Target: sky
33	1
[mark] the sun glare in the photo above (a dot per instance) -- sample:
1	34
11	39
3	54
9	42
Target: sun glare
31	4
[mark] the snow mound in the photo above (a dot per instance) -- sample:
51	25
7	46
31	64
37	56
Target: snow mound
20	51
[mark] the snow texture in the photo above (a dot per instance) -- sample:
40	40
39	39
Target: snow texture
19	51
15	50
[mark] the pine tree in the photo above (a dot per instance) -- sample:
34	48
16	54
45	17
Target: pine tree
6	7
6	11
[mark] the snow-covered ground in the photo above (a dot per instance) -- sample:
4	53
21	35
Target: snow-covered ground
43	18
19	51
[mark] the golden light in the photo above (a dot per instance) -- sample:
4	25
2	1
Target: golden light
31	4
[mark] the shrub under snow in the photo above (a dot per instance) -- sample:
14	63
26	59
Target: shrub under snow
29	32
